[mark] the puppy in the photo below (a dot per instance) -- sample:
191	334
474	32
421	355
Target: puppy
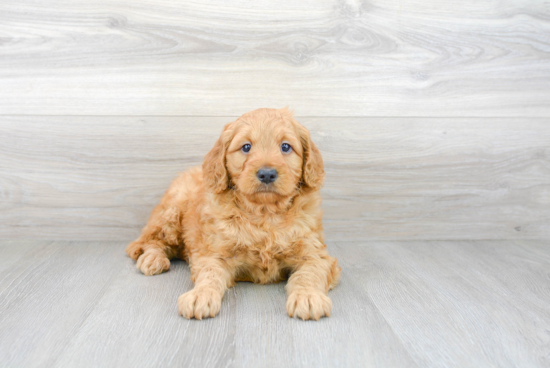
251	213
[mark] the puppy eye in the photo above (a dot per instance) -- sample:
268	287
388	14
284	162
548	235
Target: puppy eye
246	148
285	147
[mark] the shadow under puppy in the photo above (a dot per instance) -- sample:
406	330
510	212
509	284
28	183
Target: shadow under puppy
251	213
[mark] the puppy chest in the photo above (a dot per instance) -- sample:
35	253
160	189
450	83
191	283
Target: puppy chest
260	253
260	266
261	261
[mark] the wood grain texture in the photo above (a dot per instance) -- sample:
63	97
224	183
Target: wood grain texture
47	294
325	58
98	178
453	302
147	331
356	334
400	304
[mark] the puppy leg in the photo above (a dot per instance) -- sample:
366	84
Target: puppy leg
212	278
159	241
308	286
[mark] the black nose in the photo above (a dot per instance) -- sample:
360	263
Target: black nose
267	175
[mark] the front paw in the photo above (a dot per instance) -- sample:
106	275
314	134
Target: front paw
308	304
153	262
134	250
200	303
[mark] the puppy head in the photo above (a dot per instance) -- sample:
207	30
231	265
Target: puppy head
266	155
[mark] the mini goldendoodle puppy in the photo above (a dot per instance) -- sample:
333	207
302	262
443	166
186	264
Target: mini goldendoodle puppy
251	213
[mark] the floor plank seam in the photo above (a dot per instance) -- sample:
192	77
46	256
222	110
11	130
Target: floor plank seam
364	293
87	312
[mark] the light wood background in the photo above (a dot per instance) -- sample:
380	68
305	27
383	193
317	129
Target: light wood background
387	178
433	117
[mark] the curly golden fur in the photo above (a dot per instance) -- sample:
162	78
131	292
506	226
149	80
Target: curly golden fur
230	225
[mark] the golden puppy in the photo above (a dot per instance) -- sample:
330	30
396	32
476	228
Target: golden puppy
251	213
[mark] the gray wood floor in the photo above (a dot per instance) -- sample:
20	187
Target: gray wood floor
403	303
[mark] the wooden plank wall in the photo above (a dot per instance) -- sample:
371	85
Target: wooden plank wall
433	116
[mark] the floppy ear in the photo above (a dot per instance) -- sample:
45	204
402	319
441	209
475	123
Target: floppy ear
214	171
313	171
